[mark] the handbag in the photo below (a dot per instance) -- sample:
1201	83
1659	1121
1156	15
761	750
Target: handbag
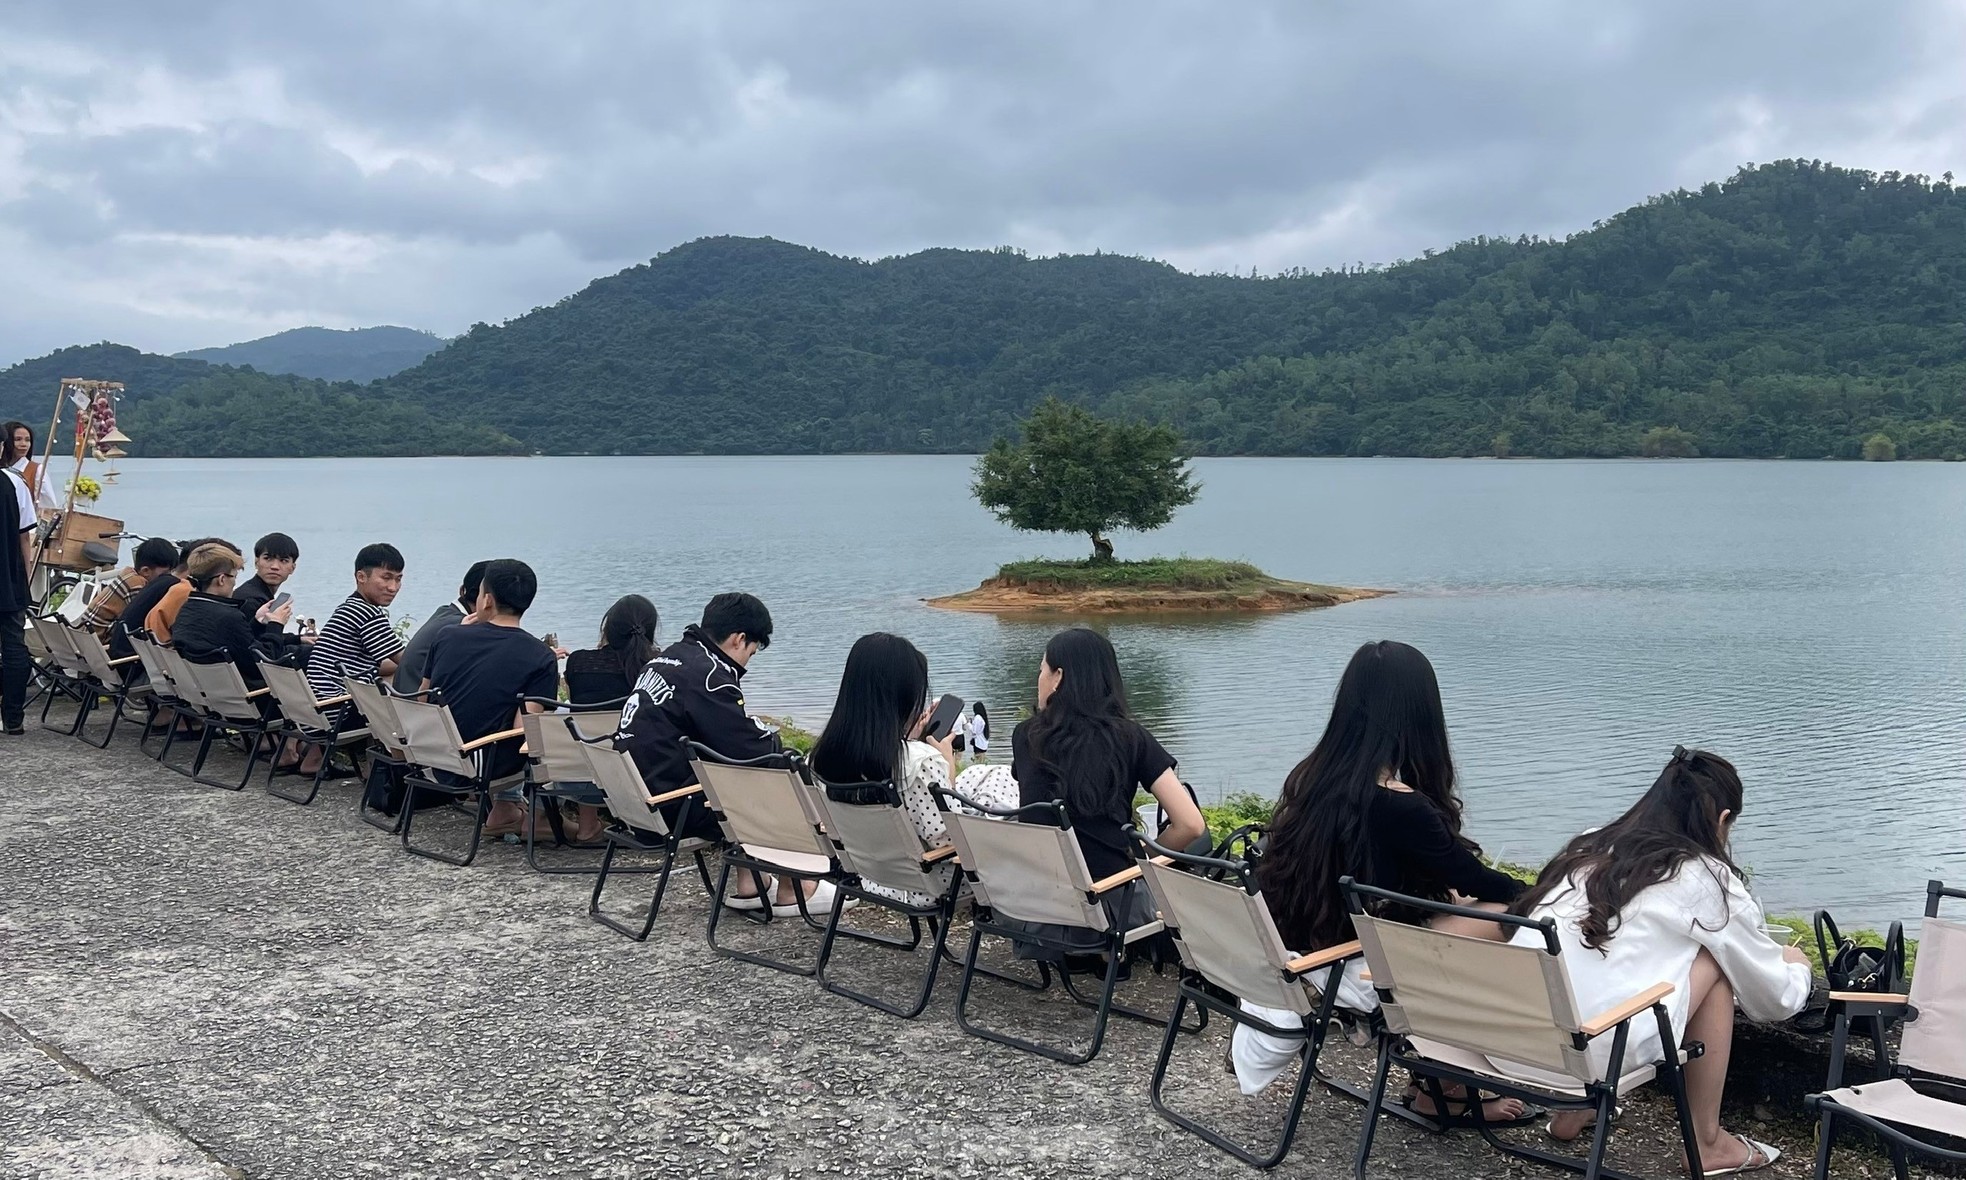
1852	966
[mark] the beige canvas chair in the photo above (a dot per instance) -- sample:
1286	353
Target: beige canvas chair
876	843
773	823
1468	1011
229	706
188	695
555	757
306	720
1029	874
172	702
441	761
67	673
639	827
94	676
388	761
1227	939
1924	1088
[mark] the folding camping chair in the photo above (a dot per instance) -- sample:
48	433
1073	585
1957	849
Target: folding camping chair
304	721
1227	939
101	678
639	827
1035	874
229	707
67	673
189	694
1931	1053
41	661
1462	1010
773	822
174	703
387	749
876	843
450	766
555	754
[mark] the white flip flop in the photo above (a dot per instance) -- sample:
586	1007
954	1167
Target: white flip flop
1767	1152
823	901
752	903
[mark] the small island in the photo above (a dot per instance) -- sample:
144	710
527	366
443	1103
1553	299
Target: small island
1162	585
1074	472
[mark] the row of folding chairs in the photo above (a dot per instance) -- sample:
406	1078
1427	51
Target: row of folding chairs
1492	1017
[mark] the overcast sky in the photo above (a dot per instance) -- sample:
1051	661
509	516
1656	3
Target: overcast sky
187	174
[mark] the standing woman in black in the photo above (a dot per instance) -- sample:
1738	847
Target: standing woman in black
1374	801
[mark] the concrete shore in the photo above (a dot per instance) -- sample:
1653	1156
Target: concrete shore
196	983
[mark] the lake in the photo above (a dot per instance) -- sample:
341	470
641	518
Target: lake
1802	619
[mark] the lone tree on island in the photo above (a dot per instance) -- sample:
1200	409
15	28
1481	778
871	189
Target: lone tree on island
1077	473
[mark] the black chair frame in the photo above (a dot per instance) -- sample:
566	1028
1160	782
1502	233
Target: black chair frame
538	793
292	732
1880	1015
1602	1097
1311	1035
983	922
937	913
252	733
734	857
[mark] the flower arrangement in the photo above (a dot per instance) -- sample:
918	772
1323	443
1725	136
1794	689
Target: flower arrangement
86	488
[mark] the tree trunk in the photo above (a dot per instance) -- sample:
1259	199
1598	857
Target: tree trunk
1102	549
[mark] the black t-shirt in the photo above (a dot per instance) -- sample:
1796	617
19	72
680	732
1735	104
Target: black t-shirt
482	670
135	612
13	567
596	675
1102	837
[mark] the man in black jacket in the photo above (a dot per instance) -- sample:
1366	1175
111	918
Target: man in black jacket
692	689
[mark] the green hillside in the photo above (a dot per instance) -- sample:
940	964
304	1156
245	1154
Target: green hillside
1795	309
1792	310
177	407
331	354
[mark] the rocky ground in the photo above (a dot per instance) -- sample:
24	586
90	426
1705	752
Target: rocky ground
195	983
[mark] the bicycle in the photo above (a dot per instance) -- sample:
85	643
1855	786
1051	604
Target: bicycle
67	592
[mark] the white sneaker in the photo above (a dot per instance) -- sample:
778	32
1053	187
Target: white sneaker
825	897
752	903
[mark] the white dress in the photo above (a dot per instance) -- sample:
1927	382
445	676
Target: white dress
922	769
1703	906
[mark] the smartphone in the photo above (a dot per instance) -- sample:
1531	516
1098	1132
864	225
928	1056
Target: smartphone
940	722
279	600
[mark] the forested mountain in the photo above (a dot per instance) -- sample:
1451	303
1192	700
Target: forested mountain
172	407
357	354
1792	310
1795	309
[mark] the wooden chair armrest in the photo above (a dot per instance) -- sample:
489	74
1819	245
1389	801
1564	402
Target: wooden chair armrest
1104	884
257	692
935	854
1607	1020
491	739
672	796
1324	958
1884	999
331	702
124	660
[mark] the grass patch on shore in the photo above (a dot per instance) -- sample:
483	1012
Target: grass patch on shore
1157	573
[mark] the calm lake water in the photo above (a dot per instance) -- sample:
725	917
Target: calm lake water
1804	619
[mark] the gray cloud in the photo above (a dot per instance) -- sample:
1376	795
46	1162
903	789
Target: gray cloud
180	175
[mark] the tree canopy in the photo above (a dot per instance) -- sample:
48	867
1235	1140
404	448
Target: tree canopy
1075	473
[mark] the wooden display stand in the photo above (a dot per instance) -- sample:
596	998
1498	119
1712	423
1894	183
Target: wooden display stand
80	528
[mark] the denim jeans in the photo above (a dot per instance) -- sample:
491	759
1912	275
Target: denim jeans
14	666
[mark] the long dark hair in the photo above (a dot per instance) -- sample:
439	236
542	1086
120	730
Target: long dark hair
1678	820
1385	720
1081	733
7	432
628	629
983	715
881	695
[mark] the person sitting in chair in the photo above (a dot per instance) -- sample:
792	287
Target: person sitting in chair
274	557
479	672
416	653
154	558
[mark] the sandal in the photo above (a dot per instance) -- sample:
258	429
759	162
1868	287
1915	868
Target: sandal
1458	1113
1767	1154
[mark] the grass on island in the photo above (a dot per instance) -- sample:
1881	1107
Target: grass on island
1241	808
1157	573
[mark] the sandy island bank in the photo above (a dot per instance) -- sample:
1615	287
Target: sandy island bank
1006	596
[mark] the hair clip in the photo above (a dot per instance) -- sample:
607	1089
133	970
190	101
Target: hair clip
1682	754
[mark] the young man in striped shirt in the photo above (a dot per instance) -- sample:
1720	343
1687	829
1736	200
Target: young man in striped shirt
358	641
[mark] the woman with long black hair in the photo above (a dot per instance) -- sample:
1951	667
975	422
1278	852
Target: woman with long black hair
1655	897
1374	800
607	672
875	735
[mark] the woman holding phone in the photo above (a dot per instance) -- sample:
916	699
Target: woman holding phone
877	734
